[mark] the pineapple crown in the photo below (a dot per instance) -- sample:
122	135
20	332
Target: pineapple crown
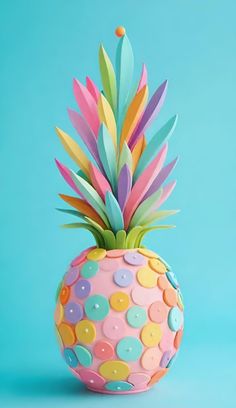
119	184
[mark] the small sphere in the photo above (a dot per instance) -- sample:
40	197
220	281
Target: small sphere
120	31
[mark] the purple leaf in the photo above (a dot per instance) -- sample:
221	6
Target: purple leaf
124	185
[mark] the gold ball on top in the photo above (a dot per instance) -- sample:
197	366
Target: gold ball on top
120	31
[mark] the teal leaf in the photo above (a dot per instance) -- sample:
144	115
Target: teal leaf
107	155
114	212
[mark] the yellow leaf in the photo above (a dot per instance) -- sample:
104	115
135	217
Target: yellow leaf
107	117
137	151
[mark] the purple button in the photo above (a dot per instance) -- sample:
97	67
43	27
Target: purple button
165	359
73	312
82	288
123	277
134	258
72	276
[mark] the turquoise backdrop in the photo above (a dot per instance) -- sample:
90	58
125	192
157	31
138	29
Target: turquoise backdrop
43	45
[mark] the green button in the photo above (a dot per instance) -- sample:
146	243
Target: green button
129	348
118	386
84	356
96	307
89	269
136	316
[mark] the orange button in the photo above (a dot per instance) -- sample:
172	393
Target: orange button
178	338
64	295
162	282
67	334
156	377
170	297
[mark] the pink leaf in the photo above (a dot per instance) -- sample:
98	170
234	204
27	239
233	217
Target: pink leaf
92	88
161	177
143	79
65	172
99	182
166	192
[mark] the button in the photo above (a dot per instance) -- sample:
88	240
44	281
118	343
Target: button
165	359
172	360
139	379
67	334
129	349
114	328
147	278
84	356
115	253
72	276
103	350
114	370
59	339
82	288
108	264
172	279
79	259
123	277
151	358
170	297
97	307
151	334
89	269
163	283
142	296
167	341
96	254
58	291
157	376
157	312
91	378
73	312
118	386
70	357
134	258
85	331
147	252
178	338
65	294
136	316
157	265
180	300
175	319
119	301
59	313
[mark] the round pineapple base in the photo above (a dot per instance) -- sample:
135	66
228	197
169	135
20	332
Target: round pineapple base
119	319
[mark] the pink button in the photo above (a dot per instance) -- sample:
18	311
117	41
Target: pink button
115	253
142	296
114	328
151	358
157	312
91	378
81	258
103	350
167	341
139	379
108	265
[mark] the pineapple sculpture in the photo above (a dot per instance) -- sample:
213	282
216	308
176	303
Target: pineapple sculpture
119	310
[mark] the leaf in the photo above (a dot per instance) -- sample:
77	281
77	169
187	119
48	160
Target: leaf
83	175
87	105
142	185
85	133
132	237
92	88
108	78
74	151
133	115
151	111
114	212
145	209
109	239
143	79
157	227
107	155
72	212
154	145
158	215
124	73
161	177
91	196
65	172
106	116
84	208
88	227
124	185
100	183
125	158
166	192
137	152
121	239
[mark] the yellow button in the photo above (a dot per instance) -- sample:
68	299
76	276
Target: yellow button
151	335
147	252
119	301
59	313
67	334
96	254
114	370
85	331
147	278
157	265
59	338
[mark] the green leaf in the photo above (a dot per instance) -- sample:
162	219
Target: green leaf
144	209
158	215
157	227
114	213
107	155
86	227
108	78
121	239
132	237
109	239
83	175
153	146
125	158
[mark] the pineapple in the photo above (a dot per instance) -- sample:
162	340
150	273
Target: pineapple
119	310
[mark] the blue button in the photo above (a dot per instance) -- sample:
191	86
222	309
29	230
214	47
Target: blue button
97	307
129	349
172	279
123	277
175	319
118	386
172	360
136	316
70	357
89	269
84	356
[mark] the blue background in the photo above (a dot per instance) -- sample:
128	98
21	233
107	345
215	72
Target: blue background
43	45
